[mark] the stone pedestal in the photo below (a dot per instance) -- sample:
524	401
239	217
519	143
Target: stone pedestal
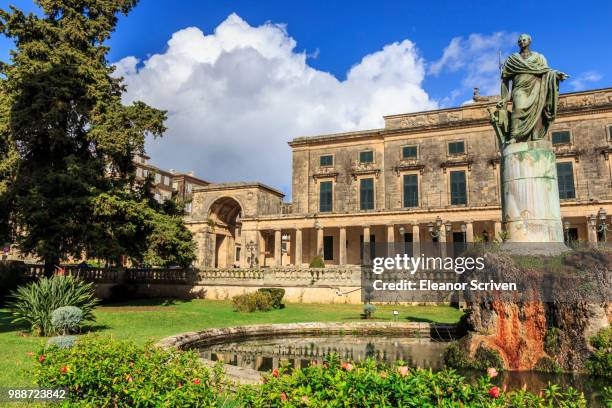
530	195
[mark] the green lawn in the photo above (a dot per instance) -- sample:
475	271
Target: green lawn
146	320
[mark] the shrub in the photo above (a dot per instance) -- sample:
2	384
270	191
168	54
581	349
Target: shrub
600	362
456	356
551	341
252	302
276	294
368	310
66	319
61	341
104	372
33	303
368	384
317	262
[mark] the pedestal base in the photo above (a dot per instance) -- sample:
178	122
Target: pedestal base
530	195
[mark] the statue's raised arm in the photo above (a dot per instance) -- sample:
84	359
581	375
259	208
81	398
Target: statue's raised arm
534	94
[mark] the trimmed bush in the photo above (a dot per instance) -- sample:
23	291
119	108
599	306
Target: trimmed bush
368	310
33	303
104	372
61	341
66	319
369	384
276	294
600	362
253	302
317	262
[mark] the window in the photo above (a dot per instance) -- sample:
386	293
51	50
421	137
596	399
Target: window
458	188
366	156
560	137
188	207
145	173
411	190
610	133
366	194
167	180
409	152
328	248
175	185
325	196
456	147
565	178
326	160
237	254
188	187
157	178
138	172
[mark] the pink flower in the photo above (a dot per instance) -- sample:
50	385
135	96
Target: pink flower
492	372
304	399
41	358
275	373
348	367
129	379
197	381
283	396
383	374
494	392
403	371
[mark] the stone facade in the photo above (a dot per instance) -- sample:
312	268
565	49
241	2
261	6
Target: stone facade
292	234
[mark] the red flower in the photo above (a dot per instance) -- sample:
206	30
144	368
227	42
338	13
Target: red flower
347	366
41	358
197	381
275	373
64	369
494	392
283	396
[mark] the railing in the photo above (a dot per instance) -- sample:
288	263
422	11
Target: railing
161	275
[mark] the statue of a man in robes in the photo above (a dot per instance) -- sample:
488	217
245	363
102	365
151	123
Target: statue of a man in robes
534	96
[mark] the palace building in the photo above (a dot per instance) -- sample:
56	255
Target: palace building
437	170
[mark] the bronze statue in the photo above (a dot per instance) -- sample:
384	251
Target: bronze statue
534	96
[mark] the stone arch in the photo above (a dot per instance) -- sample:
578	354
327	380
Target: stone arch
223	219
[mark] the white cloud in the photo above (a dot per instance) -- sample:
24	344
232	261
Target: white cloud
236	96
581	81
476	58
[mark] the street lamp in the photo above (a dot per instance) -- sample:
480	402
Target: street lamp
434	229
402	232
566	226
603	226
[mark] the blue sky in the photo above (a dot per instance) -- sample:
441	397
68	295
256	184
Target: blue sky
335	36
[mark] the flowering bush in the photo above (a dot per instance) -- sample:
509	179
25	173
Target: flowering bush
368	384
105	372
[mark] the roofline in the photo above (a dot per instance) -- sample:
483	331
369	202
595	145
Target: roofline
306	140
238	185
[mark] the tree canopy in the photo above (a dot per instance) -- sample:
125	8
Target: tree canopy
67	184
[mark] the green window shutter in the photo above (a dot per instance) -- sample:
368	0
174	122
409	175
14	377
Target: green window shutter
560	137
325	196
366	194
456	147
366	157
458	188
326	160
409	152
565	179
411	190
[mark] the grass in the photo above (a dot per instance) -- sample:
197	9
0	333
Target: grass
152	320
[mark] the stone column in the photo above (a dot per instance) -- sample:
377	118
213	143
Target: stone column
261	248
390	240
591	232
416	240
342	248
366	243
243	249
298	247
320	241
442	241
277	247
497	230
469	231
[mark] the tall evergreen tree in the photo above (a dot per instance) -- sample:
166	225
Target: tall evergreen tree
66	140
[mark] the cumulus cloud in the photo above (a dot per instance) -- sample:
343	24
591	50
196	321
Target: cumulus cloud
236	96
582	81
476	58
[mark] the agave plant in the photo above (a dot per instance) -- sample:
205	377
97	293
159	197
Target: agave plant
34	303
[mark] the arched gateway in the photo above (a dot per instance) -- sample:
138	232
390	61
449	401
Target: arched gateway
224	229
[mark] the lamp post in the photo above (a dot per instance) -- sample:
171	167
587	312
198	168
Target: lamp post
603	225
434	228
402	232
566	225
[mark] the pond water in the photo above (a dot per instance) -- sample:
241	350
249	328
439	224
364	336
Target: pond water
266	354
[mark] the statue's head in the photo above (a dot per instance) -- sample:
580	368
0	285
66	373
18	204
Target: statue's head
524	41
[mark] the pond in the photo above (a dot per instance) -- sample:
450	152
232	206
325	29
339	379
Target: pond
265	354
